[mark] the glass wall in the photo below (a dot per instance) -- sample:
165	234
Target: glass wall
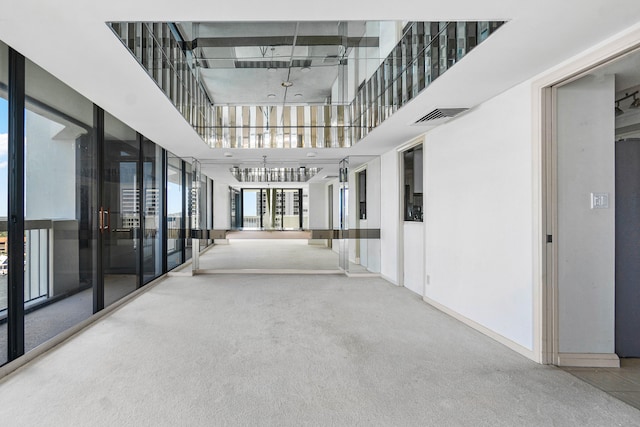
175	190
93	194
152	202
4	138
121	210
59	199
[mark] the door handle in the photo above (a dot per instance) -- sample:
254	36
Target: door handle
104	219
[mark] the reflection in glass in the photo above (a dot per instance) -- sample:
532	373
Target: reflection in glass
175	243
380	81
121	210
152	210
59	243
4	134
412	165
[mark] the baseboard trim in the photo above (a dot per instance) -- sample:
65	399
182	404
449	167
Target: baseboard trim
45	347
317	242
389	279
362	274
589	360
529	354
266	271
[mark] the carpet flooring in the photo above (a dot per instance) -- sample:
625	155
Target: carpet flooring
288	350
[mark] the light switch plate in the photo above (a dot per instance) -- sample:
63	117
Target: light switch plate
599	200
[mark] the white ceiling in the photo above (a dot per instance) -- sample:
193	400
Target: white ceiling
70	40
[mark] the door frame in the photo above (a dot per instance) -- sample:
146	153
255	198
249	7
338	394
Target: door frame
545	226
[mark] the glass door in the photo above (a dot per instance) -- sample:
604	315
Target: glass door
119	212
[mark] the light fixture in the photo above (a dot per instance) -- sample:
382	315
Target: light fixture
634	104
271	95
287	83
272	69
305	69
298	95
311	154
228	154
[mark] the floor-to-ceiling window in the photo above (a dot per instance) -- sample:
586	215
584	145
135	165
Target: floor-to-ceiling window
86	194
152	202
253	210
175	190
121	204
59	199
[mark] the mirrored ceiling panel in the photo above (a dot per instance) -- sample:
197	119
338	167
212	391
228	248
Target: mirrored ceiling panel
217	73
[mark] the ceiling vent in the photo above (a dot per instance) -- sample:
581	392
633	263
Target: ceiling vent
439	115
296	63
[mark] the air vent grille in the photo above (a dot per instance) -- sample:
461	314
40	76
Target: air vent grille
299	63
440	113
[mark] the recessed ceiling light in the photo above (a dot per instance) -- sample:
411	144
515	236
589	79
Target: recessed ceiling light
287	84
305	69
272	69
311	154
298	95
271	95
228	154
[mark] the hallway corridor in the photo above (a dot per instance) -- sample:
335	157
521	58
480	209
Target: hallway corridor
288	350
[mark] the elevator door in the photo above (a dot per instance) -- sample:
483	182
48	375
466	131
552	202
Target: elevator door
627	202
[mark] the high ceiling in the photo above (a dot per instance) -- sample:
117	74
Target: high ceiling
71	40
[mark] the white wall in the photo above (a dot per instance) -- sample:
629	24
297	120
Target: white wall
413	256
318	209
221	207
586	238
478	215
389	216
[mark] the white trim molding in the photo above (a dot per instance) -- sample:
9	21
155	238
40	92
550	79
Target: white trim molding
389	279
589	360
483	329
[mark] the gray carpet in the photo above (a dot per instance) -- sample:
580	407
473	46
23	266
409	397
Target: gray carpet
287	350
269	254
